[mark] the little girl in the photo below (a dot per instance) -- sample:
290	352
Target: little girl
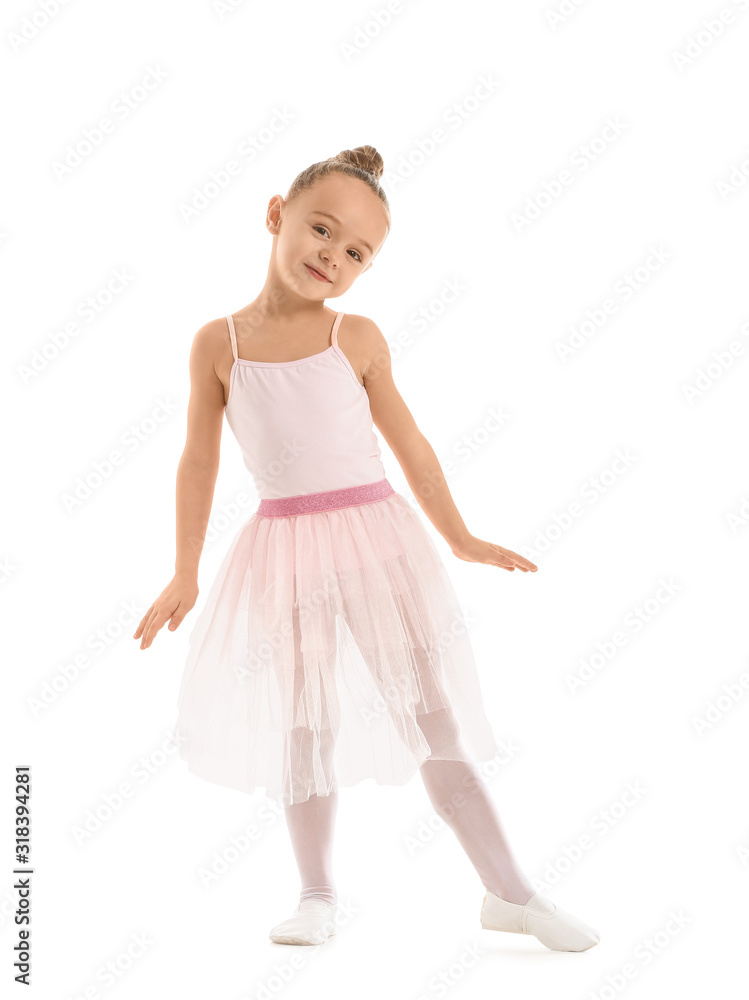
332	647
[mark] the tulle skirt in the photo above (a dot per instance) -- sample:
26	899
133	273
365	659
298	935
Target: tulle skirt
331	648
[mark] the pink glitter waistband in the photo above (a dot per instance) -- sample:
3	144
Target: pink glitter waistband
308	503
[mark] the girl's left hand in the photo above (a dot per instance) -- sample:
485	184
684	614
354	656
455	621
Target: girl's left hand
474	549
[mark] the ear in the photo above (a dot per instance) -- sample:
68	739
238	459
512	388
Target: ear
273	213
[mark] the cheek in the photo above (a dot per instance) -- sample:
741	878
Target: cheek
295	248
301	245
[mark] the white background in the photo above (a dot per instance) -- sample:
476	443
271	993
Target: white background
672	514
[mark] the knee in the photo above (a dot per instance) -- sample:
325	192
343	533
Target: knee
442	733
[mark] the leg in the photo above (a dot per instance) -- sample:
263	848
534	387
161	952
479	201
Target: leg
452	781
310	817
460	798
311	825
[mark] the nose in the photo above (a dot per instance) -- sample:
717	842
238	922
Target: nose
326	256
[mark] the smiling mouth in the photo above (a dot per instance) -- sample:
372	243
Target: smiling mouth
317	274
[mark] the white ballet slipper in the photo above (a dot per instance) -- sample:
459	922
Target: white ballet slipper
552	925
312	922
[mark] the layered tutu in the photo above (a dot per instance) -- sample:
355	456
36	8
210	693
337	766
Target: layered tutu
331	648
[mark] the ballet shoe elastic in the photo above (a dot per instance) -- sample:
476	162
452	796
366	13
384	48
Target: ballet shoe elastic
552	925
312	922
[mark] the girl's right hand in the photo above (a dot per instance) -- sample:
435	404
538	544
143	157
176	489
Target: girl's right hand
172	604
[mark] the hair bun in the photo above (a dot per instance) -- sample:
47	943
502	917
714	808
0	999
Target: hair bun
365	157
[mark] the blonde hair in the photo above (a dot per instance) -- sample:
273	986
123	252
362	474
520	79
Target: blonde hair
363	162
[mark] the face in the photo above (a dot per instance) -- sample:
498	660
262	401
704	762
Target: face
336	227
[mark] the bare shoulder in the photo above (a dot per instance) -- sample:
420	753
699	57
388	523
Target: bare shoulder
365	328
211	337
211	349
368	340
210	361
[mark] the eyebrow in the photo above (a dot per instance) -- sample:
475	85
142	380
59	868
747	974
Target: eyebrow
339	223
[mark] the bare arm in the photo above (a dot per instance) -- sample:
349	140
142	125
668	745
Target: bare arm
196	481
198	467
420	465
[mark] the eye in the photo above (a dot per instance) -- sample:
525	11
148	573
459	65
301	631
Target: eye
324	229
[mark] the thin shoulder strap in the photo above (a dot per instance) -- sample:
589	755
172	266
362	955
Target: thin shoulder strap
232	334
334	339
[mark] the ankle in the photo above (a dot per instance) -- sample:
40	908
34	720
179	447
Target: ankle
514	894
326	893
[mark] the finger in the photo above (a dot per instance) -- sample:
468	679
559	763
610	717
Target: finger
176	620
142	623
149	636
141	633
156	626
503	557
504	563
148	632
158	622
146	627
521	561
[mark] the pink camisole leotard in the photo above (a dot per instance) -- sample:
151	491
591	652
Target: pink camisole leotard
303	426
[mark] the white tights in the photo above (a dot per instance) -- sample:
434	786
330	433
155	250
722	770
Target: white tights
459	797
